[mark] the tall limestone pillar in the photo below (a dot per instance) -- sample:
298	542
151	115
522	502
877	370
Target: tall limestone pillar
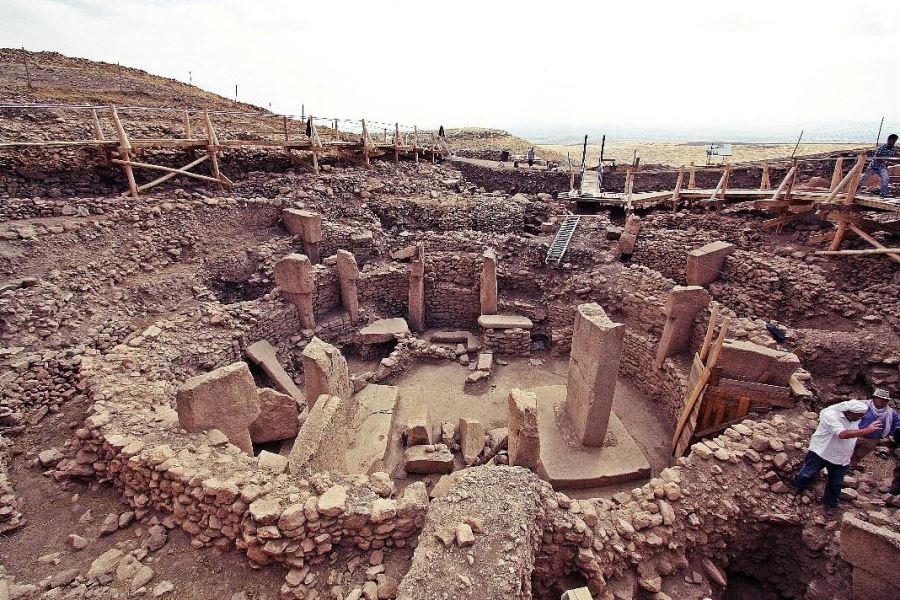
682	305
348	275
593	370
308	225
489	283
417	290
296	277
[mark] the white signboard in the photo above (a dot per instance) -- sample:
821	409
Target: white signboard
719	150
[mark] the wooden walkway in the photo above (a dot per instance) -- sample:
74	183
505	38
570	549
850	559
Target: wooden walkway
664	198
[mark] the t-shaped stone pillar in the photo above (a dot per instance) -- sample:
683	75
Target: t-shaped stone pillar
417	290
593	370
348	274
682	306
296	277
308	225
489	283
225	399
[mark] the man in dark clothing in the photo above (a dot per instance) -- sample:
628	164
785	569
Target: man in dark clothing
531	157
441	131
879	166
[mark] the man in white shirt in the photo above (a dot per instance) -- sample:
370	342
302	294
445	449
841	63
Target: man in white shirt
831	447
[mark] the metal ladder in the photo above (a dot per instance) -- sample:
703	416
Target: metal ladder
561	242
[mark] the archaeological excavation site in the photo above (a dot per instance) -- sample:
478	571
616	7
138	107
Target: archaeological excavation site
255	356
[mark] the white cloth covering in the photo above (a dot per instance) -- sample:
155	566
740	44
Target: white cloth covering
825	441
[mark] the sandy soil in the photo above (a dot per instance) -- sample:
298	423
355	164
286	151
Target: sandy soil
683	153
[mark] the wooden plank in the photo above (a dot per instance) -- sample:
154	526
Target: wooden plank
710	329
782	220
694	396
838	174
743	407
754	389
866	252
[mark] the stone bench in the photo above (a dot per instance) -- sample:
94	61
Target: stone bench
504	322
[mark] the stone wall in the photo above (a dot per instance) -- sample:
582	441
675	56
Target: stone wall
508	342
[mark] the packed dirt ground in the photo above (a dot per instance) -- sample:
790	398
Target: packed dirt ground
109	304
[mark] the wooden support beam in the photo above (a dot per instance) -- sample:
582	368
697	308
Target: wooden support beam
171	170
852	183
692	177
865	252
710	330
695	393
629	189
676	194
873	241
396	142
125	151
857	168
416	143
790	185
765	183
98	135
171	174
212	147
781	220
838	173
366	142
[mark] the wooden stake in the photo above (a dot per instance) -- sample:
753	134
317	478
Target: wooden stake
316	142
187	125
857	168
212	147
676	195
124	151
853	183
710	329
838	173
396	142
692	177
629	187
416	143
27	72
790	186
788	176
764	182
366	141
98	135
287	135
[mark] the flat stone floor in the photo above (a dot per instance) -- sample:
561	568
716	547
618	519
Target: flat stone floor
438	385
567	465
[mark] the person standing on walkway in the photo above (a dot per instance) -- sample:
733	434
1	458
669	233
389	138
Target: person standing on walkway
879	166
531	157
878	410
831	447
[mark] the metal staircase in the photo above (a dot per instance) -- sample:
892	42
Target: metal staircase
561	242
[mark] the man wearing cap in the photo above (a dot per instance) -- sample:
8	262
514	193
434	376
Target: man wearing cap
831	447
878	410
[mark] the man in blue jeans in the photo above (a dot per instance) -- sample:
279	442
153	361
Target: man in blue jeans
831	447
879	166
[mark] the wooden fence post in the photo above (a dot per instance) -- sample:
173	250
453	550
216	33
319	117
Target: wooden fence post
124	151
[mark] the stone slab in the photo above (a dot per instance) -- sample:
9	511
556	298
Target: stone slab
569	465
705	263
223	399
323	440
263	354
277	418
305	223
869	546
371	427
504	322
383	330
746	361
471	436
419	460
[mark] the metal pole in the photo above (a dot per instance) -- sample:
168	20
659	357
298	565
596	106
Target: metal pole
797	145
584	157
235	92
878	138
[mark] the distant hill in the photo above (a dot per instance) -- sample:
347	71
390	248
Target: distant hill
480	142
60	79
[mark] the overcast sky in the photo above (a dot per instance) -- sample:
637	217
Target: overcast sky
667	66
